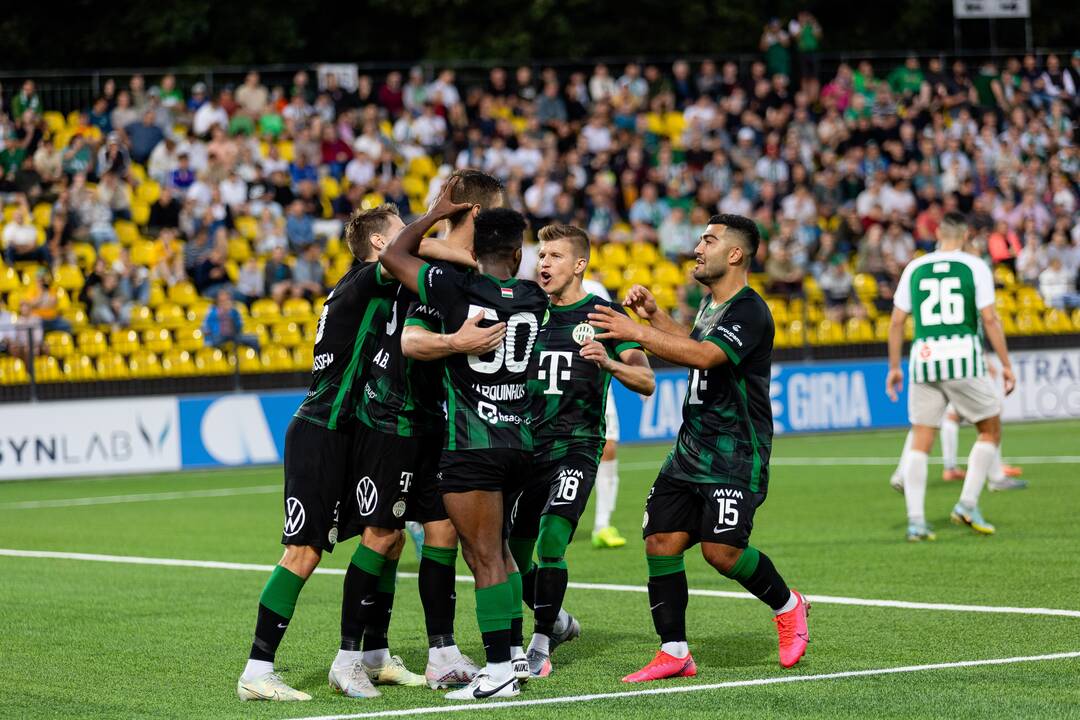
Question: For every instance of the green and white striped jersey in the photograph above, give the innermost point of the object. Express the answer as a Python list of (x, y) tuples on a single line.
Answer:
[(944, 292)]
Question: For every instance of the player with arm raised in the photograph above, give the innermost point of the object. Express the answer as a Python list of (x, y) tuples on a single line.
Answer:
[(488, 442), (570, 391), (397, 453), (717, 474), (949, 293)]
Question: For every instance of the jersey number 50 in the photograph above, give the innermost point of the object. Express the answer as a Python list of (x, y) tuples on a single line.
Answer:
[(506, 354), (944, 303)]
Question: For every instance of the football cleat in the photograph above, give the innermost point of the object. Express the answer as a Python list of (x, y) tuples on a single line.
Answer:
[(539, 664), (917, 532), (962, 515), (1006, 483), (953, 474), (268, 686), (394, 672), (1012, 470), (483, 687), (521, 668), (352, 681), (455, 674), (896, 482), (664, 666), (607, 537), (794, 635), (571, 632)]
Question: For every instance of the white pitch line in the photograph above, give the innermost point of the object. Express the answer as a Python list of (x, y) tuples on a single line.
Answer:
[(757, 682), (140, 497), (823, 599), (870, 461)]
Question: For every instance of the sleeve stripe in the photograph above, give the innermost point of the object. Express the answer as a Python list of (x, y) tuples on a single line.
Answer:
[(728, 350), (420, 289), (420, 322), (381, 277), (624, 346)]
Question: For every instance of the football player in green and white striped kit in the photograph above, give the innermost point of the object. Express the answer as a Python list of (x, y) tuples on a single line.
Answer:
[(950, 294)]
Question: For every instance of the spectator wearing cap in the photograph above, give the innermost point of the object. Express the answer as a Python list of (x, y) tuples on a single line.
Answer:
[(198, 97)]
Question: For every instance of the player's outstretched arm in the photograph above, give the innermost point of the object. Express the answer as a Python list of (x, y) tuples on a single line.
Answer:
[(400, 256), (631, 369), (996, 335), (644, 305), (420, 343), (894, 382), (675, 348)]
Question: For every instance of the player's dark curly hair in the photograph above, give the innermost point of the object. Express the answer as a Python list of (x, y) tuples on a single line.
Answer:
[(498, 233), (746, 228)]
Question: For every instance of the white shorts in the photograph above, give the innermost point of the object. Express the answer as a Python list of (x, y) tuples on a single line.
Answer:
[(611, 418), (973, 399)]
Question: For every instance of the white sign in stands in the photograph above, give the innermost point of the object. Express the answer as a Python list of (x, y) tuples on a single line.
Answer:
[(971, 9), (1047, 385), (92, 437)]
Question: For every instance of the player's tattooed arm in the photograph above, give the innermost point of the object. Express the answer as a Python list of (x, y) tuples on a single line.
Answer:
[(642, 302), (676, 348), (400, 256), (420, 343), (631, 369)]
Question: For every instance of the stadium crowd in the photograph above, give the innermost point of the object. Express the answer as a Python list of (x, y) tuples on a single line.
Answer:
[(158, 195)]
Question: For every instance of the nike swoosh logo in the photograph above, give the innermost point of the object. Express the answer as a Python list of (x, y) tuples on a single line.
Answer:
[(556, 504), (804, 636), (538, 606), (259, 695), (367, 603), (481, 694), (282, 626), (656, 606), (717, 530)]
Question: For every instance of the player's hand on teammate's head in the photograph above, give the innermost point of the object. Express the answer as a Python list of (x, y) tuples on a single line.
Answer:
[(1009, 378), (894, 383), (471, 339), (444, 207), (615, 325), (641, 301), (595, 352)]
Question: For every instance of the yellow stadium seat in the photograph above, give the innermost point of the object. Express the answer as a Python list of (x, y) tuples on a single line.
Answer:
[(330, 187), (286, 334), (665, 296), (781, 339), (127, 232), (858, 330), (145, 365), (177, 363), (1076, 318), (1029, 322), (1057, 321), (1008, 324), (157, 295), (778, 308), (12, 371), (85, 255), (277, 359), (189, 339), (334, 248), (212, 361), (830, 333), (170, 315), (80, 368), (92, 342), (69, 277), (422, 166), (144, 252), (247, 226), (9, 279), (239, 249), (109, 252), (59, 344), (644, 253), (286, 150), (1005, 277), (183, 293), (668, 273), (265, 309), (1030, 299), (796, 333), (303, 357), (138, 172), (42, 214), (77, 317), (198, 310), (140, 212), (124, 342), (53, 120), (157, 341), (1005, 302), (637, 275), (414, 186), (249, 360), (149, 192), (813, 291), (296, 308), (142, 317), (866, 287), (47, 369), (112, 366)]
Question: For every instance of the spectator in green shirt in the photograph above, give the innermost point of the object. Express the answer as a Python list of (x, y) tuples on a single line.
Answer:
[(27, 99), (776, 43), (907, 79), (807, 33)]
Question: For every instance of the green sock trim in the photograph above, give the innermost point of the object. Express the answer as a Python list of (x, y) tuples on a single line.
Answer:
[(665, 564), (493, 607), (388, 577), (522, 550), (745, 566), (368, 560), (441, 555), (517, 594), (554, 538), (281, 590)]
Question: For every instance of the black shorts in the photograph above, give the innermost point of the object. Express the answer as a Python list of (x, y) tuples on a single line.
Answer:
[(495, 470), (316, 477), (392, 480), (722, 514), (555, 487)]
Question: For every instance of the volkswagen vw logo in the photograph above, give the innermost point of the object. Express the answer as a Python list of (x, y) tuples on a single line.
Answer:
[(367, 496), (294, 517)]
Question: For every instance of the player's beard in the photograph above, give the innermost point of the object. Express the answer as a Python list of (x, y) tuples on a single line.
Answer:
[(707, 274)]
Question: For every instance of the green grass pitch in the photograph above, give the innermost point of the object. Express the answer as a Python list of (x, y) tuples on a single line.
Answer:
[(104, 640)]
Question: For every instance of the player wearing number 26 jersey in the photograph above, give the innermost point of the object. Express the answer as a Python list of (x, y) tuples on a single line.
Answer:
[(950, 295)]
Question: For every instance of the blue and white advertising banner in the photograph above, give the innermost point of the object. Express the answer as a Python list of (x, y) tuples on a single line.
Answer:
[(235, 429)]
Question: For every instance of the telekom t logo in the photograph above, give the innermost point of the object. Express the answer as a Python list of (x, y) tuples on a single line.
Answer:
[(550, 361)]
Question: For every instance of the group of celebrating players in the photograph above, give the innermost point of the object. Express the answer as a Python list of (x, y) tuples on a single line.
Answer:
[(448, 393)]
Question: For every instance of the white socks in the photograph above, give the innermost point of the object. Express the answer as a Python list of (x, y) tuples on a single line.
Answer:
[(950, 440), (540, 642), (904, 454), (516, 651), (257, 668), (996, 472), (347, 657), (561, 622), (979, 461), (443, 655), (376, 658), (792, 601), (499, 671), (676, 649), (607, 489), (915, 485)]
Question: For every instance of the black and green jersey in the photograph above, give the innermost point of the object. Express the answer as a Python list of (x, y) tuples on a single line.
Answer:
[(487, 403), (344, 341), (726, 434), (569, 392), (403, 396)]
